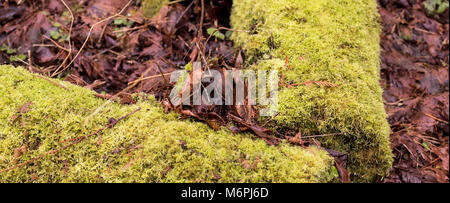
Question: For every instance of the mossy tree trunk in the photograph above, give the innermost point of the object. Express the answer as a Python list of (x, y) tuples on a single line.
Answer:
[(329, 41), (37, 116)]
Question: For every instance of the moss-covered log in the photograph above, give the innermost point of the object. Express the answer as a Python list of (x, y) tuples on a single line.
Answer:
[(333, 41), (37, 116)]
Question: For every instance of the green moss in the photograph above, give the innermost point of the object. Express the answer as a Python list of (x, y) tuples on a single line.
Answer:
[(151, 7), (334, 41), (139, 148)]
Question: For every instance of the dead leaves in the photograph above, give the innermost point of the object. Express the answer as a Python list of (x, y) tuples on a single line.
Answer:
[(20, 111), (297, 139), (415, 74), (19, 152), (247, 163)]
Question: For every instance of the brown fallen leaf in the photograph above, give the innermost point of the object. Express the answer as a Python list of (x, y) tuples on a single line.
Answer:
[(19, 152), (343, 173), (25, 108), (256, 162)]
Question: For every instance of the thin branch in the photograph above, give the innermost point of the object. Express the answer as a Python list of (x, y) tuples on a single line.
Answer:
[(70, 42), (53, 82), (148, 78), (324, 135)]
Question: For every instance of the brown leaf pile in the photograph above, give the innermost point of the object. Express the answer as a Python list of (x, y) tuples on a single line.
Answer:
[(415, 58)]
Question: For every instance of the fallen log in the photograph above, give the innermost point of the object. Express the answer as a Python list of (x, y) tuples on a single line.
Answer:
[(335, 42), (56, 128)]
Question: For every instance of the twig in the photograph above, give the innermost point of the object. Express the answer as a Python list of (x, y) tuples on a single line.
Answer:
[(71, 144), (70, 42), (166, 170), (223, 28), (43, 45), (148, 78), (435, 118), (53, 82), (319, 83), (56, 43), (184, 12), (102, 34), (397, 102), (42, 77), (162, 75), (324, 135), (200, 30), (30, 66), (174, 2)]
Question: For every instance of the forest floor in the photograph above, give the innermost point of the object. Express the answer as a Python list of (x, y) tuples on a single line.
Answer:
[(415, 58), (135, 54)]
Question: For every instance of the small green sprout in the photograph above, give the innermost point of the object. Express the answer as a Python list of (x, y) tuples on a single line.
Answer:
[(55, 34), (56, 24), (7, 49), (120, 21), (20, 57), (216, 33), (436, 6)]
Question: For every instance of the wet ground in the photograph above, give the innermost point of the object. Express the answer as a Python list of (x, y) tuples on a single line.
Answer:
[(415, 58)]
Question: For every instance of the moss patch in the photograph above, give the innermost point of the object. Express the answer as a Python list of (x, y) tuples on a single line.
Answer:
[(334, 41), (37, 116), (151, 7)]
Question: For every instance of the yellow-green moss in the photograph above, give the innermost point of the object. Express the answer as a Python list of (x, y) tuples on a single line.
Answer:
[(335, 41), (151, 7), (138, 149)]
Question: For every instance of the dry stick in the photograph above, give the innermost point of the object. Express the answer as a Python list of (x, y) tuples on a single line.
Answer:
[(71, 144), (324, 135), (30, 66), (55, 83), (319, 83), (102, 34), (56, 43), (148, 78), (89, 35), (40, 76), (223, 28), (184, 12), (162, 75), (200, 31), (43, 45), (174, 2), (165, 80), (70, 42), (435, 118)]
